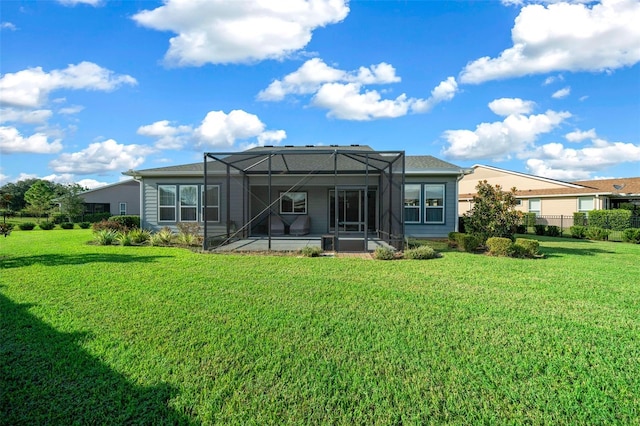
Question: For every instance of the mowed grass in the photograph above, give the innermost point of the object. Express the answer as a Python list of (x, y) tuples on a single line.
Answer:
[(147, 335)]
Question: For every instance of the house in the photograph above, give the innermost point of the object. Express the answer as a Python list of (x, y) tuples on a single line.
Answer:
[(550, 197), (351, 194), (121, 198)]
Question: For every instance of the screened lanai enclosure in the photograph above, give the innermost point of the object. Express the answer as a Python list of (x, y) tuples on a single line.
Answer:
[(342, 198)]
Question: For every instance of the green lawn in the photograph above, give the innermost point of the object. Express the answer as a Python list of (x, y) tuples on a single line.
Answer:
[(149, 335)]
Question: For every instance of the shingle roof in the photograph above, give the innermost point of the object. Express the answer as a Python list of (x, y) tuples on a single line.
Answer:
[(621, 185)]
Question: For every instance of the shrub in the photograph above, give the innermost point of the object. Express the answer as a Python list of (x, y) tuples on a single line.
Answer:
[(27, 226), (524, 247), (529, 220), (139, 235), (579, 219), (493, 213), (468, 243), (66, 225), (596, 233), (128, 222), (453, 238), (96, 217), (521, 229), (421, 253), (105, 237), (309, 251), (617, 220), (108, 224), (47, 226), (552, 231), (162, 237), (499, 246), (578, 231), (124, 239), (84, 225), (6, 228), (539, 229), (384, 253), (189, 239), (631, 235), (58, 218)]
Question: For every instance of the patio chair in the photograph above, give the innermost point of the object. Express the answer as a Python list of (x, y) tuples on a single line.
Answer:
[(277, 225), (300, 226)]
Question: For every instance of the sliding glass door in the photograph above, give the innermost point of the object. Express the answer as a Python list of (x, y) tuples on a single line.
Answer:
[(352, 211)]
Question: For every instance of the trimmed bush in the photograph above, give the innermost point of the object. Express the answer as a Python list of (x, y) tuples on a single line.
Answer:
[(27, 226), (617, 220), (631, 235), (96, 217), (552, 231), (105, 237), (453, 238), (47, 226), (529, 220), (579, 219), (521, 229), (596, 233), (384, 253), (84, 225), (66, 225), (526, 247), (108, 224), (128, 222), (421, 253), (309, 251), (539, 229), (499, 246), (468, 243), (578, 231)]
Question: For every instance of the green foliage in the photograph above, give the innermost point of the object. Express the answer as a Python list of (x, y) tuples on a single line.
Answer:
[(529, 219), (139, 235), (5, 229), (66, 225), (452, 238), (631, 235), (27, 226), (47, 226), (499, 246), (421, 253), (84, 225), (127, 221), (596, 233), (617, 220), (525, 247), (579, 219), (108, 224), (188, 239), (552, 231), (163, 237), (384, 253), (521, 229), (124, 239), (493, 213), (468, 243), (39, 198), (539, 229), (578, 231), (189, 233), (71, 203), (96, 217), (310, 251), (105, 237)]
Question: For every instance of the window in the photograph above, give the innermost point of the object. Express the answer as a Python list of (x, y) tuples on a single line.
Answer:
[(188, 203), (123, 209), (585, 204), (212, 203), (534, 205), (412, 203), (167, 203), (293, 203), (434, 203)]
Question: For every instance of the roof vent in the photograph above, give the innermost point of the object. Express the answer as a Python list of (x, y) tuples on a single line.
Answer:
[(354, 144), (309, 146), (333, 145), (619, 187), (268, 146), (288, 146)]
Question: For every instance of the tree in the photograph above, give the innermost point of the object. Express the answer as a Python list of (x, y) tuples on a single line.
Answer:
[(39, 198), (493, 213), (71, 204)]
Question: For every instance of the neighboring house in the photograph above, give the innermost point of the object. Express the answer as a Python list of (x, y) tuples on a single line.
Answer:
[(549, 197), (121, 198), (350, 192)]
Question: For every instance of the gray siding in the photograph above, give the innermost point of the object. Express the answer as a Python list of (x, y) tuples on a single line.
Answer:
[(450, 208), (124, 192)]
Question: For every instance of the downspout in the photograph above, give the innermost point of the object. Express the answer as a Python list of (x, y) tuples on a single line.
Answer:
[(139, 180)]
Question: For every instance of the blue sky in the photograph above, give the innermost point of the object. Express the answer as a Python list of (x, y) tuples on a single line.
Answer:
[(89, 89)]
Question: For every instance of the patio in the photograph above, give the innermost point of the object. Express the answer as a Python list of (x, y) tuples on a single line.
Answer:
[(290, 244)]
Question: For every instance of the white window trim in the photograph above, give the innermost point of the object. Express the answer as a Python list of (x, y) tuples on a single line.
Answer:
[(419, 206), (539, 204), (166, 206), (593, 204), (306, 201), (188, 206), (425, 207), (203, 207), (121, 210)]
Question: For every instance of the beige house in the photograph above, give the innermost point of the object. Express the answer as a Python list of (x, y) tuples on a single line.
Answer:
[(549, 197)]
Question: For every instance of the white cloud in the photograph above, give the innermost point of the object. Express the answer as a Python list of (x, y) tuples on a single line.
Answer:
[(271, 137), (91, 183), (11, 141), (565, 37), (101, 157), (31, 87), (76, 2), (562, 93), (70, 110), (579, 136), (166, 135), (8, 26), (219, 129), (38, 116), (555, 161), (445, 91), (219, 31), (509, 106), (552, 79), (499, 139)]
